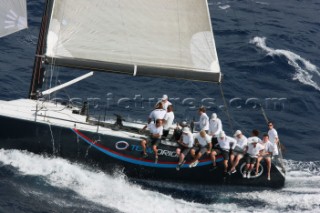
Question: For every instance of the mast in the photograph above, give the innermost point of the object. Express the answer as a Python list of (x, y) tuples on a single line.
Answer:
[(38, 70)]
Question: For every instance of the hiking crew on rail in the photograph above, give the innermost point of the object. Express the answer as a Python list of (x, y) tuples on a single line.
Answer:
[(210, 141)]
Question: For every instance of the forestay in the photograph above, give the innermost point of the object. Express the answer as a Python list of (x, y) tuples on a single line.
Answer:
[(13, 16), (139, 37)]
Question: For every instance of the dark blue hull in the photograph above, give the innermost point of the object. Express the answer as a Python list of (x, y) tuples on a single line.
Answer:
[(111, 153)]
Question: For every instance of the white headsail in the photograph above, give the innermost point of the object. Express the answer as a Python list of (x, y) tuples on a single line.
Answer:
[(143, 37), (13, 16)]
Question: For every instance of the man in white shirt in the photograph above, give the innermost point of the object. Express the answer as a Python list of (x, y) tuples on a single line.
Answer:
[(223, 149), (156, 114), (204, 119), (165, 102), (238, 150), (154, 138), (168, 120), (254, 136), (202, 145), (266, 154), (185, 144), (273, 137), (254, 150), (215, 127)]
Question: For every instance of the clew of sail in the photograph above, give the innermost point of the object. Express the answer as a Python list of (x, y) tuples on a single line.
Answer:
[(162, 38), (13, 16)]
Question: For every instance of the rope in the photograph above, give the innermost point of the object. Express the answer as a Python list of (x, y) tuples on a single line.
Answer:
[(226, 107), (264, 114)]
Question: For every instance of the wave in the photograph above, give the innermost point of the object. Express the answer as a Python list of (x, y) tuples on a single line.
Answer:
[(306, 72), (301, 192)]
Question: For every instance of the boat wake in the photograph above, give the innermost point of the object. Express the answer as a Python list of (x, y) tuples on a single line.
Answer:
[(301, 192), (306, 72)]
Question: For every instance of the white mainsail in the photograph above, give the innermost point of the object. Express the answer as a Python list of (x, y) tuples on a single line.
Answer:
[(140, 37), (13, 16)]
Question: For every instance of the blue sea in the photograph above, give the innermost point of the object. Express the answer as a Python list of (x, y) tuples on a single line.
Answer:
[(269, 55)]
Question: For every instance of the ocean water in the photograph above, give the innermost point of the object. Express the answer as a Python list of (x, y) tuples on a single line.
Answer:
[(269, 55)]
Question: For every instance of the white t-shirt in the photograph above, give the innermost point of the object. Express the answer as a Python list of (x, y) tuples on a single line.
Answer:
[(188, 139), (268, 146), (273, 134), (241, 142), (166, 104), (254, 151), (250, 139), (168, 117), (202, 141), (154, 129), (215, 127), (203, 122), (157, 114), (225, 142)]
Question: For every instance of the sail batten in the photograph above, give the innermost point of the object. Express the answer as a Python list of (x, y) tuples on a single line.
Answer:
[(155, 35), (13, 16)]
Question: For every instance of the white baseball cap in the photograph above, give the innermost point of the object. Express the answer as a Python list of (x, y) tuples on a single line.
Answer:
[(222, 134), (164, 97), (254, 140), (214, 116), (185, 130), (238, 132)]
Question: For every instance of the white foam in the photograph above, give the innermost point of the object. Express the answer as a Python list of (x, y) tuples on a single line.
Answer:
[(110, 191), (305, 70), (262, 2), (301, 192), (224, 7)]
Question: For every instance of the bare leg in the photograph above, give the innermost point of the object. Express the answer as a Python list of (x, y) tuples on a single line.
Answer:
[(247, 167), (268, 161), (225, 164), (155, 150), (213, 158), (232, 158), (235, 162), (258, 164), (196, 157), (144, 147), (193, 153), (181, 158)]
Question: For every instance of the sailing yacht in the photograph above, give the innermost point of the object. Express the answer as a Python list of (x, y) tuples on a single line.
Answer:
[(157, 38)]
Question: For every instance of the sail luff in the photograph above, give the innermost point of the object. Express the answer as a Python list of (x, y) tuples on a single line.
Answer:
[(152, 35)]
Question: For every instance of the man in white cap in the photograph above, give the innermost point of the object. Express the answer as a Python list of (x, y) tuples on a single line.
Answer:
[(254, 150), (204, 119), (185, 144), (215, 127), (238, 150), (165, 102), (223, 149)]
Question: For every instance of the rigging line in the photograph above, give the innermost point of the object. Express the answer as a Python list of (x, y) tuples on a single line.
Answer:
[(226, 107), (264, 114), (230, 119)]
